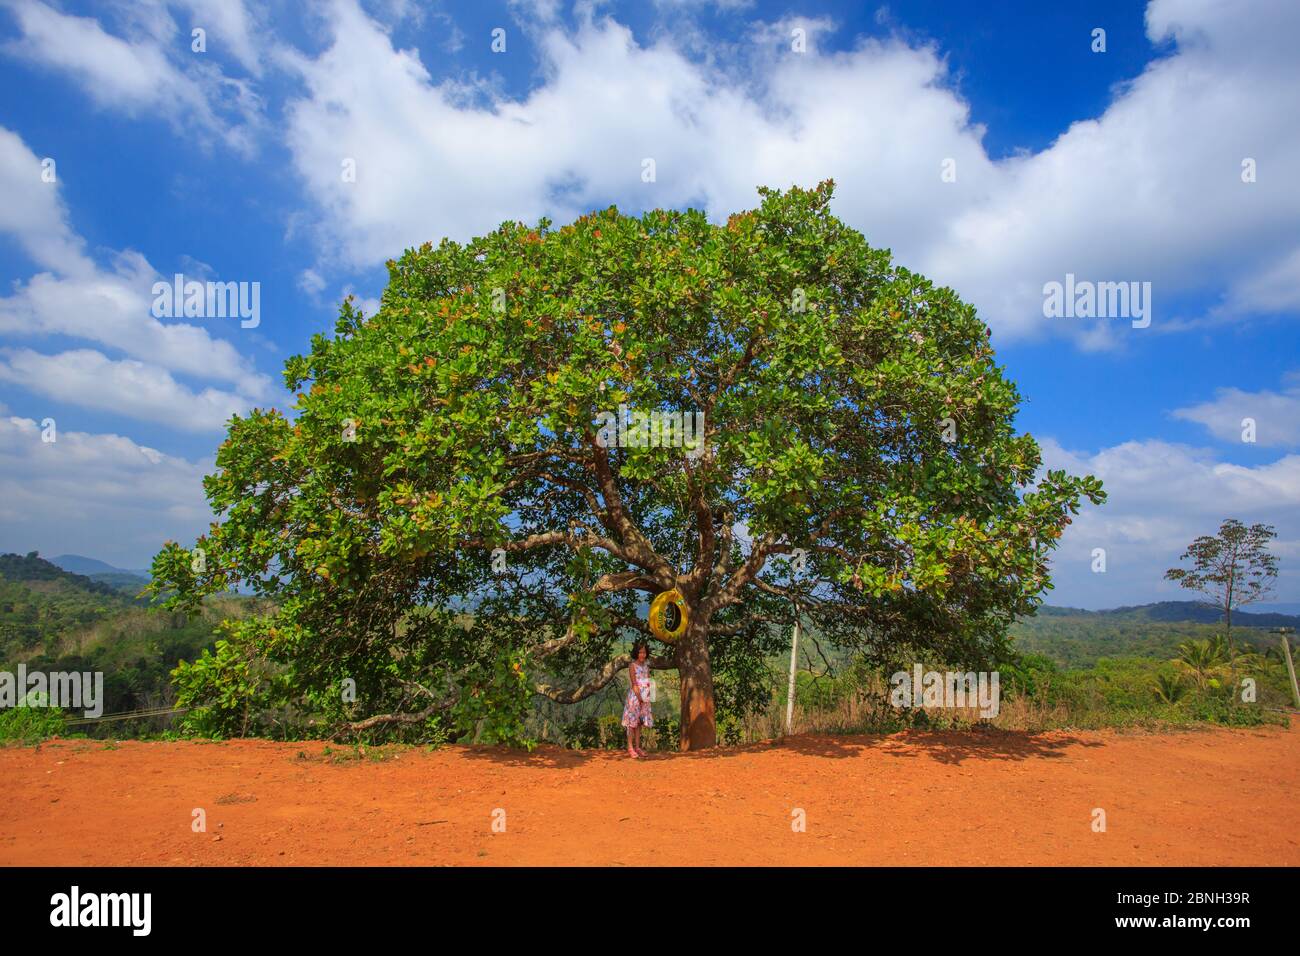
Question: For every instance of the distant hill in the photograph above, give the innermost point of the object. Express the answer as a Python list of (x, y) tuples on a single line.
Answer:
[(120, 578), (33, 568), (79, 564), (1190, 611), (41, 605), (57, 620), (1077, 638)]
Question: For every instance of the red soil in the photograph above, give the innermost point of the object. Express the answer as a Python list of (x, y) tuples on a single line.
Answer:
[(1198, 797)]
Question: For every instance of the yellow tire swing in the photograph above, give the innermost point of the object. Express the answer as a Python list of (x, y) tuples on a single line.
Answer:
[(668, 615)]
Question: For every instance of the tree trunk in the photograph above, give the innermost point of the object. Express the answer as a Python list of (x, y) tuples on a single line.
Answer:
[(1227, 612), (699, 731)]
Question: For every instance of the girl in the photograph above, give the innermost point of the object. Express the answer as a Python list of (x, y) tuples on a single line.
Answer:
[(636, 710)]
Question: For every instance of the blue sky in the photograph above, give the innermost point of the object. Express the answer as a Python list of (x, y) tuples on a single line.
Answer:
[(1122, 165)]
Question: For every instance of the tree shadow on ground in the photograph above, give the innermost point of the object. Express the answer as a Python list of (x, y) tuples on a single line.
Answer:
[(943, 746), (557, 757), (551, 756)]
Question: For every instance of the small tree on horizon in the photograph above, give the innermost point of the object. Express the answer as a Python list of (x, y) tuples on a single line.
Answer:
[(1231, 569), (858, 455)]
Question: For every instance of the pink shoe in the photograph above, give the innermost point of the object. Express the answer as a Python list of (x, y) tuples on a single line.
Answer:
[(633, 754)]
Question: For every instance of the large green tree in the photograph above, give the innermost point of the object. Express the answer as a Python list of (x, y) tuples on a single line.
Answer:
[(451, 455)]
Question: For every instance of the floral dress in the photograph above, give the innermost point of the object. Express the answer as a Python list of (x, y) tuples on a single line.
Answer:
[(636, 709)]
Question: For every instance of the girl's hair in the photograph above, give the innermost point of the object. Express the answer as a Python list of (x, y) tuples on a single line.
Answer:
[(636, 650)]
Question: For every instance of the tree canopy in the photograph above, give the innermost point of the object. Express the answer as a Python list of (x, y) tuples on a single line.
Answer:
[(1230, 569), (447, 519)]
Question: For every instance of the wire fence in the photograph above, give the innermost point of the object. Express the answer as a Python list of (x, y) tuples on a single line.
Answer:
[(127, 715)]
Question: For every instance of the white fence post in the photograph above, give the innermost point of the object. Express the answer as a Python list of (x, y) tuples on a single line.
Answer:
[(794, 650)]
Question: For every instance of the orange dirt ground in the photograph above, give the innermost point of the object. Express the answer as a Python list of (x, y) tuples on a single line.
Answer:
[(1190, 798)]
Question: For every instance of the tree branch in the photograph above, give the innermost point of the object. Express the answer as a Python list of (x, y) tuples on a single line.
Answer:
[(598, 683), (730, 591), (644, 554), (397, 718)]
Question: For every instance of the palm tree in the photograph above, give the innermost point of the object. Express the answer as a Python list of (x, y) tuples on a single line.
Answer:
[(1169, 688), (1203, 659)]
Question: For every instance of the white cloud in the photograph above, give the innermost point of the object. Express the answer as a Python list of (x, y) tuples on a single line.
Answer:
[(110, 307), (1150, 191), (311, 282), (1160, 497), (445, 158), (1276, 415), (92, 380), (143, 76), (102, 495), (230, 28), (1275, 288), (113, 309), (32, 211)]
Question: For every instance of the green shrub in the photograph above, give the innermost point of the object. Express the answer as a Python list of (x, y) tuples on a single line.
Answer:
[(1169, 689), (33, 722), (1032, 675)]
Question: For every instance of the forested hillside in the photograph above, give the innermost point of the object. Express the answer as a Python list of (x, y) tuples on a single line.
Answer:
[(54, 620), (1077, 638)]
